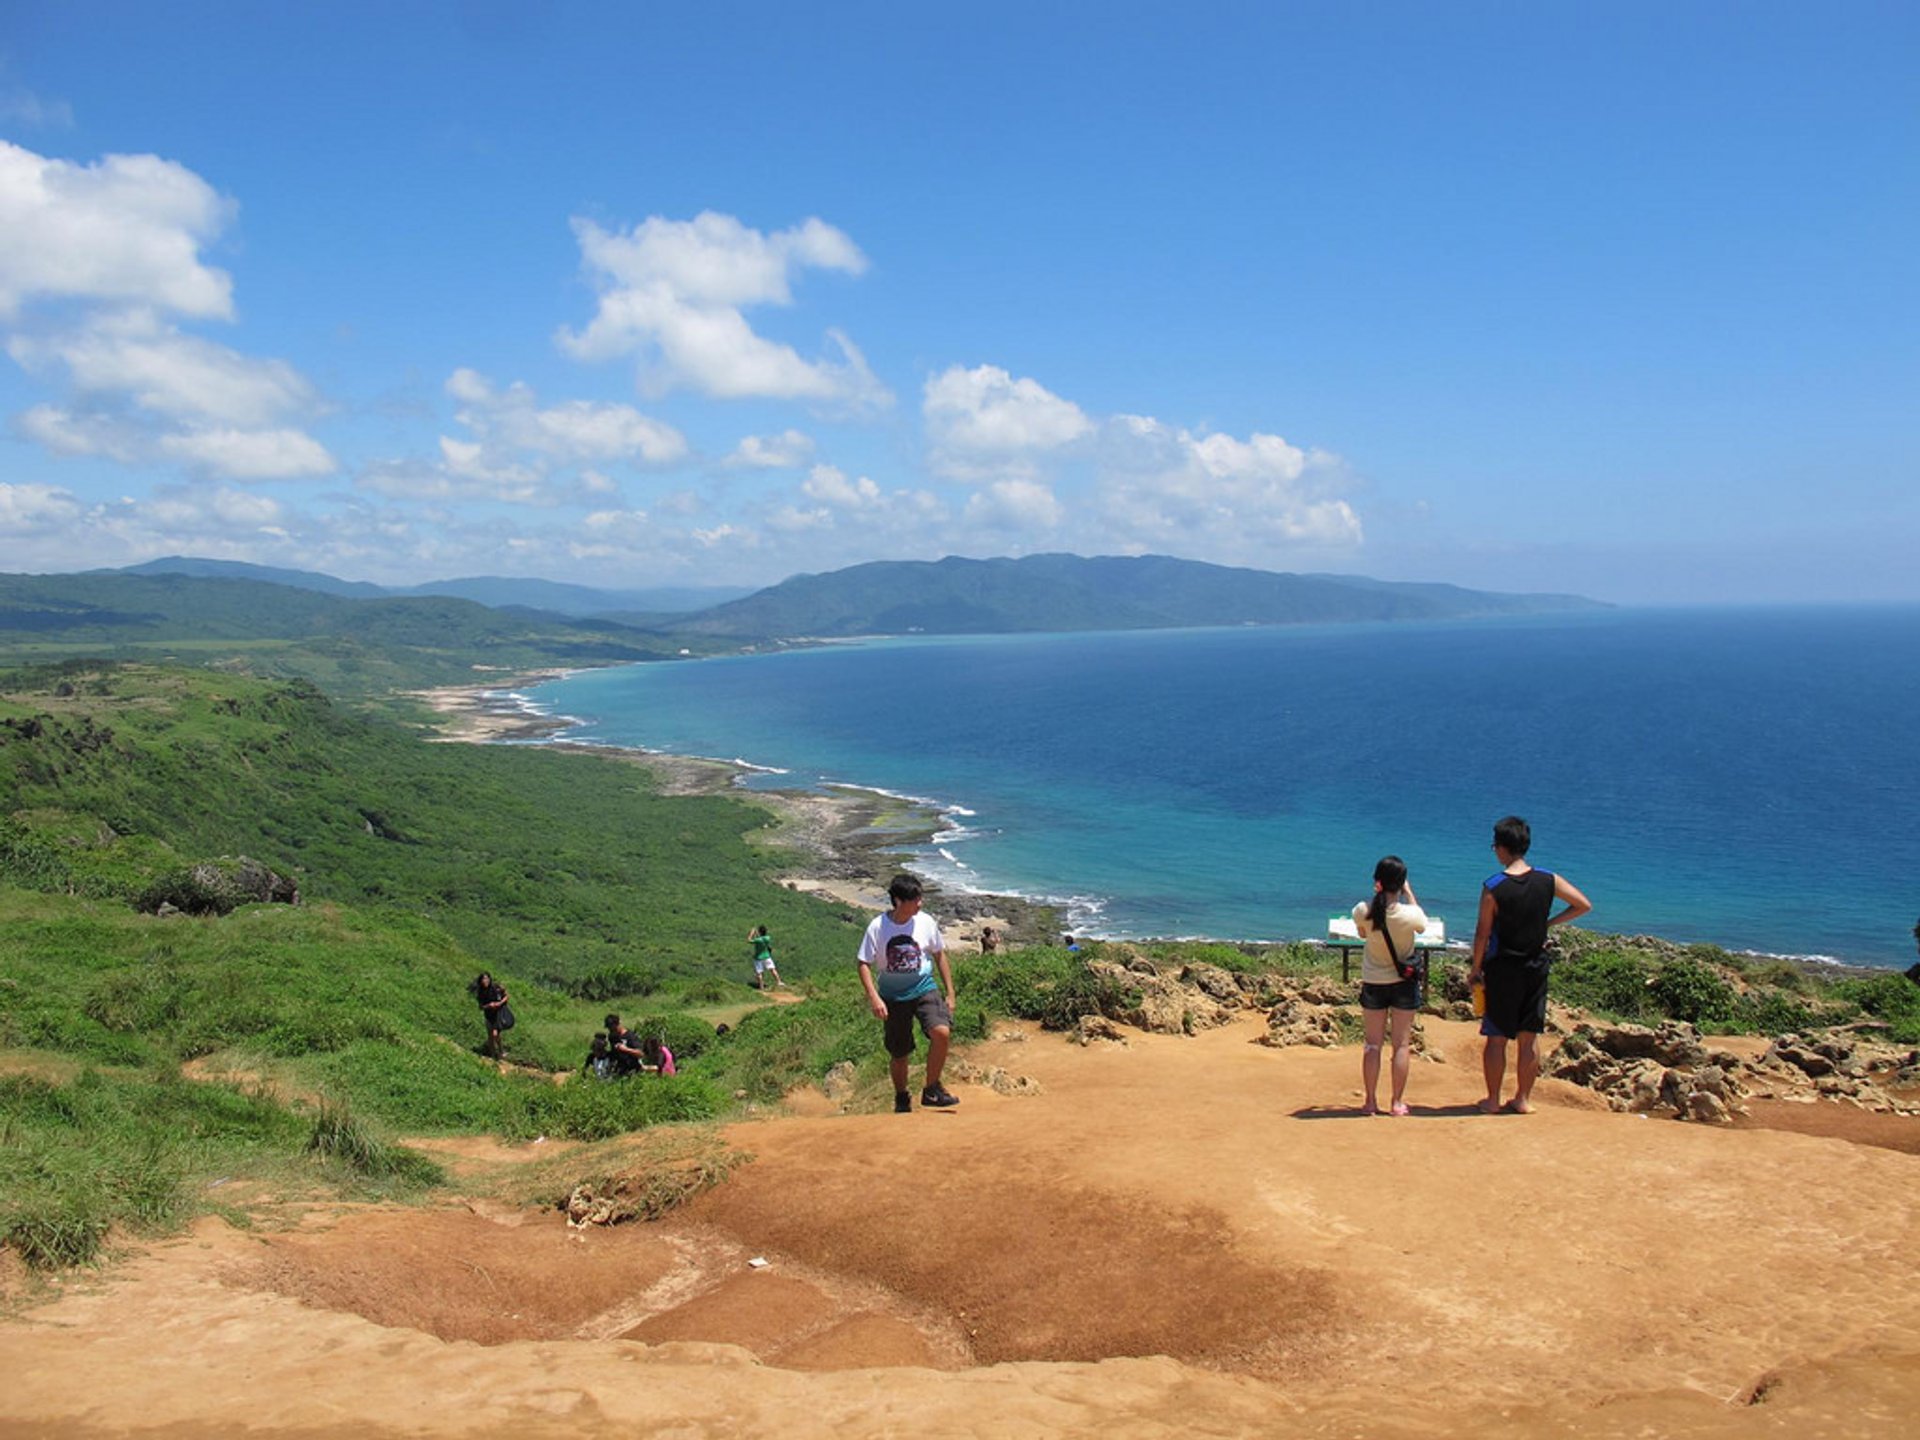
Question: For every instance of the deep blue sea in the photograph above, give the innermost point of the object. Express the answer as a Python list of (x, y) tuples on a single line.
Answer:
[(1748, 777)]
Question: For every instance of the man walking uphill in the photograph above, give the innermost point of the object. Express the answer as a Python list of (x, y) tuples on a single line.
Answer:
[(1509, 953), (904, 947)]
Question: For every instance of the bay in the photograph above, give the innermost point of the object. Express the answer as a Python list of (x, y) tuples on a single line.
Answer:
[(1744, 777)]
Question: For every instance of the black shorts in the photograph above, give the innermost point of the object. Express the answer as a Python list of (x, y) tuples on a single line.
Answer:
[(931, 1011), (1516, 999), (1401, 995)]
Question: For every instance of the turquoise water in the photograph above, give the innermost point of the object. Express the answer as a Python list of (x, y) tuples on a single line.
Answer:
[(1746, 777)]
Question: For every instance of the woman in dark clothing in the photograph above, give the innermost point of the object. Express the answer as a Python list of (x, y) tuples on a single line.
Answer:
[(493, 1002)]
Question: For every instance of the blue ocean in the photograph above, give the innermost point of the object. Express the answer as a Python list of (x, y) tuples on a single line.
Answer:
[(1746, 777)]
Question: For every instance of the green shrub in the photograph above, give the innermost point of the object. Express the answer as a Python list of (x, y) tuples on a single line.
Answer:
[(337, 1134), (1082, 992), (1689, 989), (586, 1109), (1777, 1012), (1613, 982), (54, 1238), (608, 982), (1890, 997)]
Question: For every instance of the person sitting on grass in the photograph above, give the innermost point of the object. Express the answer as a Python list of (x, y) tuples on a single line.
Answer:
[(655, 1057), (1509, 955), (904, 945), (624, 1048), (599, 1062)]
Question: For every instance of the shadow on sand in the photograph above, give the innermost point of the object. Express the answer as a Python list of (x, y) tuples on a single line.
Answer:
[(1415, 1112)]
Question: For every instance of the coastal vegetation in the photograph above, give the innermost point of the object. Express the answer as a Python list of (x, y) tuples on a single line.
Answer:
[(171, 1042)]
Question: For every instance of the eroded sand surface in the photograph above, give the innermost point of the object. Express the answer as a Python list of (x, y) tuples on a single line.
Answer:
[(1181, 1237)]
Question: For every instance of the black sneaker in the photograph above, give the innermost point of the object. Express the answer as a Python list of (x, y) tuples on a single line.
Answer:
[(902, 1103), (938, 1097)]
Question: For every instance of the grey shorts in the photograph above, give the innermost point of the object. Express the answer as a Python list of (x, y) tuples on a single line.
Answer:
[(931, 1011)]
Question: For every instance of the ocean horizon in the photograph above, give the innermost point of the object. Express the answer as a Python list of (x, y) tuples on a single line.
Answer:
[(1741, 777)]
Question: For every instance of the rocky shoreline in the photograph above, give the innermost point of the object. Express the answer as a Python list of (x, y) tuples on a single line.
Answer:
[(850, 840)]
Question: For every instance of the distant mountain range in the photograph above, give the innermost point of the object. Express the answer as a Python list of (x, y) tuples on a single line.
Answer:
[(494, 591), (1069, 592), (184, 599)]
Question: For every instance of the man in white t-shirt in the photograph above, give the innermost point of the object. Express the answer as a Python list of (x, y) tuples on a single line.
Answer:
[(898, 958)]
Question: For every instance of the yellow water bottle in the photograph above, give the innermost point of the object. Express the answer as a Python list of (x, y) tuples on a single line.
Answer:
[(1479, 997)]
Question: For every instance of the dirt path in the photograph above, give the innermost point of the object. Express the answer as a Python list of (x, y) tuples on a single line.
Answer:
[(1185, 1236)]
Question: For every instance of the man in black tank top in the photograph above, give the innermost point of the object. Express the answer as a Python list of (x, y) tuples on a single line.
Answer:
[(1509, 945)]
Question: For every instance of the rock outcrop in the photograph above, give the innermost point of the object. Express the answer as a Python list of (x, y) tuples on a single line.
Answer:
[(1670, 1068), (217, 887)]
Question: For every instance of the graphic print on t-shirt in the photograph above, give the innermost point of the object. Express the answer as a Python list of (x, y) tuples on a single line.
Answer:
[(903, 956)]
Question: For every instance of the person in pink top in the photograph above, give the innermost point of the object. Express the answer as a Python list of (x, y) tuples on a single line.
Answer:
[(655, 1057)]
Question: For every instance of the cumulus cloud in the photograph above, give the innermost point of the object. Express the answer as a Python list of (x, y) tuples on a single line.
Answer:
[(673, 293), (161, 370), (34, 510), (126, 230), (788, 450), (66, 433), (1023, 507), (250, 454), (232, 454), (986, 411), (119, 240), (575, 432), (523, 453), (830, 485), (1169, 488)]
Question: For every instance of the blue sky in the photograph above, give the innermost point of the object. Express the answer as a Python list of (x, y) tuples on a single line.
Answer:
[(1611, 298)]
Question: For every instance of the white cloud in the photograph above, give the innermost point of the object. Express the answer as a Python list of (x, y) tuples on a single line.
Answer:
[(985, 411), (169, 374), (1020, 506), (30, 510), (233, 454), (578, 431), (251, 454), (126, 230), (524, 454), (830, 485), (1166, 488), (67, 433), (197, 512), (788, 450), (672, 293), (121, 238)]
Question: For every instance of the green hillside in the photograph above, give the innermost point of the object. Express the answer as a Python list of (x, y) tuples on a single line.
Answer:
[(351, 646), (1068, 592), (567, 875)]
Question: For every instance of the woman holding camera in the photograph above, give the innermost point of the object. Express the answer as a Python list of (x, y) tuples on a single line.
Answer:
[(1389, 978)]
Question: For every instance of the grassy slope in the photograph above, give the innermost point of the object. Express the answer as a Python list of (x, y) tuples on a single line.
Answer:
[(565, 874)]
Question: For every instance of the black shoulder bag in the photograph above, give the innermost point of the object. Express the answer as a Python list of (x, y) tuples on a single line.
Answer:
[(1414, 966)]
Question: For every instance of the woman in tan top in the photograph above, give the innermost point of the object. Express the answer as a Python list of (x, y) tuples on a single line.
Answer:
[(1394, 912)]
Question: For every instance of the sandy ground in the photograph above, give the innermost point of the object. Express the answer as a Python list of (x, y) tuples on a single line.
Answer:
[(1192, 1236)]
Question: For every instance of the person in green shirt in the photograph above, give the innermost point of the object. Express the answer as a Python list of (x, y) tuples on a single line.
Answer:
[(764, 973)]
